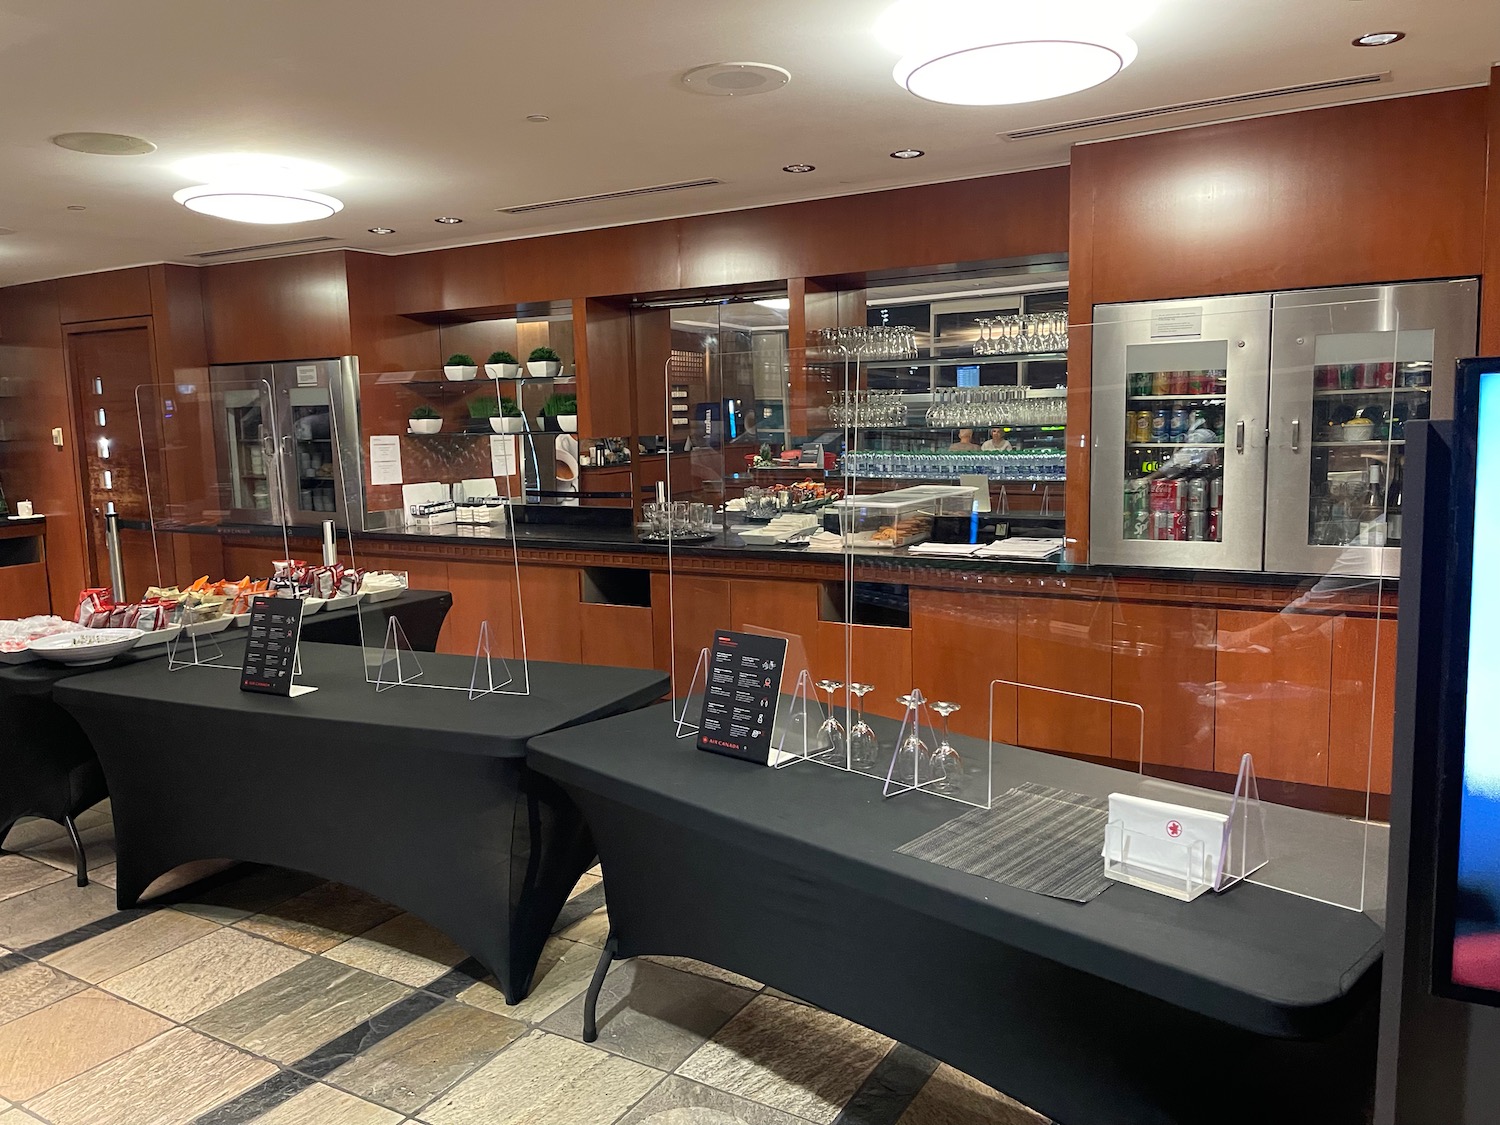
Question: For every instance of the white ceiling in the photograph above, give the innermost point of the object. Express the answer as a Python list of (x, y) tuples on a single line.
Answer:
[(423, 106)]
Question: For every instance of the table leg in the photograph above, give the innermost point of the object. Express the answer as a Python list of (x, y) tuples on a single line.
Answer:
[(591, 1001), (78, 856)]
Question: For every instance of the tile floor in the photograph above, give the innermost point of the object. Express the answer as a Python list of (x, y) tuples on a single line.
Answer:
[(266, 996)]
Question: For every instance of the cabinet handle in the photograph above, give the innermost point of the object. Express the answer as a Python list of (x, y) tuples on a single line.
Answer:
[(1239, 436), (1296, 434)]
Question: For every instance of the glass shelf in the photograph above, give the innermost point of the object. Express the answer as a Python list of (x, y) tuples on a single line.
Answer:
[(1373, 442), (1339, 392), (1177, 398), (1181, 445), (954, 361)]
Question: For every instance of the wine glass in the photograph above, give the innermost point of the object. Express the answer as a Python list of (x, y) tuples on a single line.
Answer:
[(945, 768), (864, 747), (832, 729), (912, 752)]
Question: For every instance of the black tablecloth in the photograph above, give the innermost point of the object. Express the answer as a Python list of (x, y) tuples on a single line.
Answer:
[(1125, 1009), (47, 767), (420, 796)]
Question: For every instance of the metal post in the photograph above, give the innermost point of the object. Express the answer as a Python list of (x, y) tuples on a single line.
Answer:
[(330, 544), (116, 560)]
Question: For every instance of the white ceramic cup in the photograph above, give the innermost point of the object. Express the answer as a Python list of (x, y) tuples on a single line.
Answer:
[(23, 509)]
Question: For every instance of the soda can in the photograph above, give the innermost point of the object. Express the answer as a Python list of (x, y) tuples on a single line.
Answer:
[(1216, 493), (1351, 375), (1166, 495), (1179, 424), (1143, 426), (1197, 494), (1161, 382), (1217, 382), (1215, 518), (1369, 376), (1179, 527), (1197, 525), (1161, 426), (1385, 374)]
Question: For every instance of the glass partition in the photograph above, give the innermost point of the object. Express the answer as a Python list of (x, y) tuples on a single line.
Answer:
[(964, 645)]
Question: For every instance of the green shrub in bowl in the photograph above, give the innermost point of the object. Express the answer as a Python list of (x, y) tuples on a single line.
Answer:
[(460, 368), (543, 363), (502, 365)]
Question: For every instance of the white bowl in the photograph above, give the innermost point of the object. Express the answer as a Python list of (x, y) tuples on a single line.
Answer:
[(425, 425), (312, 605), (91, 646), (341, 601), (503, 425), (544, 369), (158, 636), (503, 370), (1360, 429), (373, 596), (460, 374), (212, 625)]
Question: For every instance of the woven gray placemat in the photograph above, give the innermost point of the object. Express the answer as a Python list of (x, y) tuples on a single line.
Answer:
[(1034, 837)]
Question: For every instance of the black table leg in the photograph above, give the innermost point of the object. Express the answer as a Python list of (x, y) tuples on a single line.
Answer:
[(79, 858), (591, 1001)]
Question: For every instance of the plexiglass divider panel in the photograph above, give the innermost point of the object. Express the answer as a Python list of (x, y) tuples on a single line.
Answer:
[(209, 451)]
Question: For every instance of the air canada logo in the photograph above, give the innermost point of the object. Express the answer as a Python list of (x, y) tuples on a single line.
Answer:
[(1174, 828)]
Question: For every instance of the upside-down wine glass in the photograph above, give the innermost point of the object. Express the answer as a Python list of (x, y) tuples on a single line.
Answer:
[(832, 729), (945, 766), (864, 747), (907, 768)]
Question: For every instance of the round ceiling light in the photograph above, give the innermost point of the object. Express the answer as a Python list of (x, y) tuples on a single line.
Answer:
[(447, 220), (907, 154), (736, 79), (247, 204), (382, 230), (1380, 39), (1010, 73), (257, 168), (104, 144), (798, 169)]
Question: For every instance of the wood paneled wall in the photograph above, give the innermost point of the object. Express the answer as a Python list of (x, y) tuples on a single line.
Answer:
[(105, 296), (278, 308), (1489, 321)]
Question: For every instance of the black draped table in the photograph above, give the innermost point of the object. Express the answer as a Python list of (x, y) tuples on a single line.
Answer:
[(47, 767), (1134, 1009), (420, 796)]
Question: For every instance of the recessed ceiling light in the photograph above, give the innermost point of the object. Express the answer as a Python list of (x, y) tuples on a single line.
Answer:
[(382, 230), (907, 154), (800, 168), (104, 144), (1380, 39), (736, 79), (257, 168), (447, 220), (77, 207), (246, 204), (538, 118)]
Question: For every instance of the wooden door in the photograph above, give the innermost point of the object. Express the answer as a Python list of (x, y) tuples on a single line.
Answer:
[(107, 362)]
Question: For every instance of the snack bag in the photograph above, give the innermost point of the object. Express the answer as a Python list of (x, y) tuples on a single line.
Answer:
[(93, 607)]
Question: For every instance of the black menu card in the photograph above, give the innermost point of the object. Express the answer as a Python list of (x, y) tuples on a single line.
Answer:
[(271, 651), (741, 695)]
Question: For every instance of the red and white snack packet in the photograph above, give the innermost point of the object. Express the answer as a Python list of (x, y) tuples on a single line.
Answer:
[(94, 607), (323, 581), (350, 580), (153, 614)]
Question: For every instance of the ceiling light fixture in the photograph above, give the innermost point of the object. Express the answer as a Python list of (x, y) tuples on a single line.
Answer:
[(447, 220), (780, 304), (1380, 39), (798, 169), (382, 230), (907, 154), (249, 204), (970, 52), (538, 118), (77, 207), (104, 144)]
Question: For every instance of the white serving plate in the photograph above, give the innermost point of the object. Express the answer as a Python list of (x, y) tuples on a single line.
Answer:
[(25, 656), (91, 646), (312, 605), (384, 595), (158, 636), (212, 625), (342, 600)]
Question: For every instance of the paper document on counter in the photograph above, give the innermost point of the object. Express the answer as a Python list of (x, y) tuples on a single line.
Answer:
[(1020, 548), (385, 459)]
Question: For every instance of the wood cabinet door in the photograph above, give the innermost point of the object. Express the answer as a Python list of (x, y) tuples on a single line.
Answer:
[(483, 593), (612, 635), (550, 598), (1163, 659), (1064, 645), (869, 654), (685, 613), (960, 644), (1362, 710), (1272, 696)]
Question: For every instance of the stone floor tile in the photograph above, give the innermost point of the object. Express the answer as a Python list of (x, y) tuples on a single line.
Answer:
[(102, 813), (409, 1068), (127, 946), (652, 1014), (52, 910), (58, 1042), (680, 1102), (19, 874), (951, 1097), (317, 920), (561, 974), (31, 986), (591, 929), (204, 973), (103, 875), (30, 831), (170, 1080), (545, 1079), (406, 949), (291, 1014), (98, 848), (792, 1057), (253, 890), (704, 969), (323, 1105)]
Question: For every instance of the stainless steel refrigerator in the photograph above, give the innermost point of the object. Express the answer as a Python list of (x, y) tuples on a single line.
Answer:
[(1265, 431), (287, 437)]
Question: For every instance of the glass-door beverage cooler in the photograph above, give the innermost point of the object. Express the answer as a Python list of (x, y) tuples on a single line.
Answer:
[(1266, 431)]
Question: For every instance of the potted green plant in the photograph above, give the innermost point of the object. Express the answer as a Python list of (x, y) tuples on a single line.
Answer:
[(502, 365), (460, 367), (543, 363), (425, 420), (562, 411), (509, 420), (481, 409)]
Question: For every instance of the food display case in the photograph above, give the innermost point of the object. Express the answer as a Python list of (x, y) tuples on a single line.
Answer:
[(900, 517)]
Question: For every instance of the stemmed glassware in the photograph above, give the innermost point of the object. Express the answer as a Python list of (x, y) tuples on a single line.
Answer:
[(1022, 333), (867, 409), (864, 747), (870, 342), (946, 766), (832, 729), (912, 753)]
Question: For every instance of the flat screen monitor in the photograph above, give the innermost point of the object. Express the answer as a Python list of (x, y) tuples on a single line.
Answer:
[(1466, 946), (968, 376)]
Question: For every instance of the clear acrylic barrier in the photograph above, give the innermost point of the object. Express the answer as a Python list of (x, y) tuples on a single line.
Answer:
[(481, 655), (1171, 665), (210, 452)]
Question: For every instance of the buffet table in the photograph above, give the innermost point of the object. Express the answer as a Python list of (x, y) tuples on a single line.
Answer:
[(47, 767), (1247, 1007), (420, 796)]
